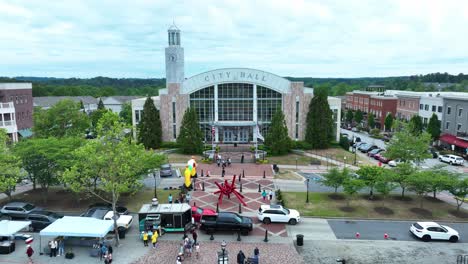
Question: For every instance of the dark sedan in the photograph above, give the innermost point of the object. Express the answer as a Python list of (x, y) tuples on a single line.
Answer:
[(367, 148), (41, 219)]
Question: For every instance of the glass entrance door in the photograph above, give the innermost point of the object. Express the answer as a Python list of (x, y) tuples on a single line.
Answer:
[(235, 134)]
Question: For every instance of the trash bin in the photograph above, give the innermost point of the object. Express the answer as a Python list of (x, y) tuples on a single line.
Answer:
[(300, 240), (121, 233)]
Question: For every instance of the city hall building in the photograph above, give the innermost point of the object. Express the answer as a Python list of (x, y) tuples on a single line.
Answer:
[(234, 105)]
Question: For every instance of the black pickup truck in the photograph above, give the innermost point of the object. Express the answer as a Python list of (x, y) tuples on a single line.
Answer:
[(226, 221)]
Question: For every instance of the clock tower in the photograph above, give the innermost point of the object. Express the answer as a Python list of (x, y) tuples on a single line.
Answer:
[(174, 57)]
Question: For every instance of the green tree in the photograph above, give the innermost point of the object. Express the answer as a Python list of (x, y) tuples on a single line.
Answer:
[(420, 183), (433, 127), (319, 130), (64, 119), (335, 178), (190, 137), (150, 128), (384, 185), (409, 147), (358, 116), (370, 175), (277, 139), (415, 125), (351, 187), (459, 190), (95, 116), (402, 173), (388, 122), (349, 116), (119, 164), (46, 158), (82, 106), (10, 165), (100, 105), (126, 113), (441, 179), (370, 120)]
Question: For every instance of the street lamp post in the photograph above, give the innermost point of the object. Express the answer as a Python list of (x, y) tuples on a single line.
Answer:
[(296, 163), (354, 148), (155, 193), (307, 199), (223, 249)]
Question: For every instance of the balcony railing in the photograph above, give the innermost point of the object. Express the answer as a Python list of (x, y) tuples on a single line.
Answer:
[(7, 123), (7, 105)]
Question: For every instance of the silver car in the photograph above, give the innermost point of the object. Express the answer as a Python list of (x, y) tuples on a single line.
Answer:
[(18, 209), (166, 170)]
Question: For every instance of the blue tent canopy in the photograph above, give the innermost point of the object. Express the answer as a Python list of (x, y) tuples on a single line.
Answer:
[(76, 226), (8, 228)]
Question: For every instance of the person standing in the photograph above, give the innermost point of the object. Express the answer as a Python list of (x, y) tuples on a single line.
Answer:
[(194, 236), (264, 194), (29, 253), (240, 257), (169, 199), (188, 198), (229, 162), (242, 158), (61, 247), (154, 238), (256, 254), (103, 251), (197, 250), (53, 248), (145, 238), (271, 194), (223, 172)]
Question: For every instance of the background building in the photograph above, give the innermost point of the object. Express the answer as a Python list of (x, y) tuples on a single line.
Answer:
[(233, 104), (16, 109)]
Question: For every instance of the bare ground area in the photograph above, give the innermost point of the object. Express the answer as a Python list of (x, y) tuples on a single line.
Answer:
[(181, 158), (339, 154), (380, 252), (288, 175)]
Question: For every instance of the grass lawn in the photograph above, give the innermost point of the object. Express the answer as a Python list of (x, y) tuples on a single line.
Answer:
[(322, 205), (339, 154), (290, 159), (182, 158), (288, 175)]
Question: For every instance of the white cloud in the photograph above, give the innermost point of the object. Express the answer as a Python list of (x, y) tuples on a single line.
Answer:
[(290, 38)]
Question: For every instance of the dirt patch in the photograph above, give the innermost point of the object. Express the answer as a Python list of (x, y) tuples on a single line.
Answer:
[(384, 210), (421, 212), (460, 214), (432, 199), (336, 196), (371, 199), (347, 209)]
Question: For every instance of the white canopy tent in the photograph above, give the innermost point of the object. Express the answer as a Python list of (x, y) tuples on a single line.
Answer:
[(9, 228), (77, 226)]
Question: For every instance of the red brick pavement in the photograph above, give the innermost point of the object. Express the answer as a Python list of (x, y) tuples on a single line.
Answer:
[(252, 198), (270, 253), (250, 169)]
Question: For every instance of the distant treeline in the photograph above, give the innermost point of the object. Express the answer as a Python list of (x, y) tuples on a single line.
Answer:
[(104, 86)]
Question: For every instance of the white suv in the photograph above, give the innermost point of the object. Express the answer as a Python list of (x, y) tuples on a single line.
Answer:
[(451, 159), (276, 213), (431, 230)]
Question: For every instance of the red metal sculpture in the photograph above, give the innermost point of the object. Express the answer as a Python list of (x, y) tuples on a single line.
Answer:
[(228, 189)]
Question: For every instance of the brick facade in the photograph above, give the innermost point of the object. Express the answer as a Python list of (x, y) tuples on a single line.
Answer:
[(22, 100), (407, 107)]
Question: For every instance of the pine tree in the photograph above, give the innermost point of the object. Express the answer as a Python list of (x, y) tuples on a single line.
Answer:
[(370, 120), (416, 125), (277, 139), (149, 129), (190, 138), (349, 116), (319, 130), (100, 105), (433, 127), (388, 121)]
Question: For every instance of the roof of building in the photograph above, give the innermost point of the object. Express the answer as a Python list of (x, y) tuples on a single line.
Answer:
[(122, 99), (15, 86), (48, 101)]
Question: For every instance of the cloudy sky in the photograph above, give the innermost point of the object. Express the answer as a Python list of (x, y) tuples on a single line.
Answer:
[(333, 38)]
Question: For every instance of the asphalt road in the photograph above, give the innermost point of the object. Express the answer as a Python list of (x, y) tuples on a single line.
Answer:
[(375, 230)]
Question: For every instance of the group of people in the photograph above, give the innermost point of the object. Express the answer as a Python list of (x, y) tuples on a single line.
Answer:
[(265, 194), (105, 253), (242, 259), (183, 198), (57, 245), (188, 246), (222, 162), (150, 235)]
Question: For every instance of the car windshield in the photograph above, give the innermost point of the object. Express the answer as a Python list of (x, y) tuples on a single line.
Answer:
[(29, 207), (418, 226), (165, 167), (199, 211), (286, 211), (238, 219)]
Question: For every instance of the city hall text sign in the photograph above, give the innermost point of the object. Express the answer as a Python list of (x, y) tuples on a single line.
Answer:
[(234, 75)]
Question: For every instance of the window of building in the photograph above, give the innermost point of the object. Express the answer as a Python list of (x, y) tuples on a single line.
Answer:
[(425, 120), (174, 131), (459, 126), (447, 125), (460, 111), (426, 107), (421, 106), (297, 131), (439, 109), (297, 111), (173, 112), (137, 116), (449, 110)]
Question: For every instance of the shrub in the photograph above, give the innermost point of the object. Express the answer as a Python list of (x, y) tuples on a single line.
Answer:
[(169, 144), (301, 145), (344, 143), (375, 133)]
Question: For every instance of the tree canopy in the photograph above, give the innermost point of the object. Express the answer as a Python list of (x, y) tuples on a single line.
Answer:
[(10, 166), (150, 128), (370, 120), (433, 127), (349, 116), (358, 116), (277, 139), (408, 147), (388, 122), (126, 113), (319, 129), (190, 139), (415, 125), (335, 177), (61, 120)]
